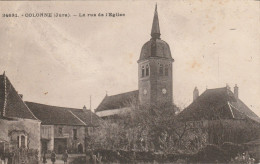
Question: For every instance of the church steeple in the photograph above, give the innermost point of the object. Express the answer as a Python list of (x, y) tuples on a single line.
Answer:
[(155, 33), (155, 70)]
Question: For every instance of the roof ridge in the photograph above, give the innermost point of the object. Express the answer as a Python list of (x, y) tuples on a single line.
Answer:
[(215, 88), (77, 118), (5, 97), (53, 105), (229, 106), (122, 93)]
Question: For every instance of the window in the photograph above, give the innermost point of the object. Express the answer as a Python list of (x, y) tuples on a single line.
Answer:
[(147, 70), (142, 71), (166, 70), (75, 137), (60, 130), (23, 141), (18, 139), (161, 69), (90, 130)]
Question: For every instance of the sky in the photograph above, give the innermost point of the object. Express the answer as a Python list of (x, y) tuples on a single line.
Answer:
[(64, 61)]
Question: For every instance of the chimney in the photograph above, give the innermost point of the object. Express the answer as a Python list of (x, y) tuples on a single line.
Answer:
[(227, 86), (84, 107), (195, 93), (21, 95), (236, 91)]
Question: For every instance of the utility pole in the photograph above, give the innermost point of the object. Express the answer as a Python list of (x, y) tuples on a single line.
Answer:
[(90, 109), (218, 70)]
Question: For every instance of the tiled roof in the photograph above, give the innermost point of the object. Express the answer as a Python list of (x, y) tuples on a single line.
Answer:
[(155, 48), (243, 108), (88, 117), (118, 101), (54, 115), (11, 104), (219, 103)]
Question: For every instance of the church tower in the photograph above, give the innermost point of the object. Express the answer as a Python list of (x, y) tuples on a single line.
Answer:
[(155, 69)]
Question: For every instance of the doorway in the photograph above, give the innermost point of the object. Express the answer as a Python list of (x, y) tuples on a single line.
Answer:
[(60, 145), (80, 148)]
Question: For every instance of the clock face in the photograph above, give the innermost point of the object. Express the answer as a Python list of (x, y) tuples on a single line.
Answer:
[(145, 91), (164, 91)]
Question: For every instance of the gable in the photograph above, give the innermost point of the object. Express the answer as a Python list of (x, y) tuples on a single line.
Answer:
[(11, 104), (118, 101)]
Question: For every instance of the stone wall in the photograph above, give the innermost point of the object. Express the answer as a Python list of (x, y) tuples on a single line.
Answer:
[(30, 127), (67, 133), (155, 82), (47, 133)]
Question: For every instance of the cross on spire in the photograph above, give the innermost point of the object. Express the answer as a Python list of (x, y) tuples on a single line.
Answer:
[(155, 33)]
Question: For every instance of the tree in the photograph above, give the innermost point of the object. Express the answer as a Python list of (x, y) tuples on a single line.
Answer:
[(153, 128)]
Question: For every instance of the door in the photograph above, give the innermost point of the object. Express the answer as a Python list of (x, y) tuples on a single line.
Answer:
[(60, 145), (44, 146)]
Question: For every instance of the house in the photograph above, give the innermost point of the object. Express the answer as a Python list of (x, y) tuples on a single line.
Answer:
[(218, 103), (154, 78), (18, 125), (64, 128), (225, 117)]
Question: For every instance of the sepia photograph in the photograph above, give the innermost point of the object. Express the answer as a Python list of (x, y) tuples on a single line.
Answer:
[(149, 82)]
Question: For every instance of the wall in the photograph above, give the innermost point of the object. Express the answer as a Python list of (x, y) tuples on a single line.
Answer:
[(154, 83), (67, 133), (31, 127), (47, 132)]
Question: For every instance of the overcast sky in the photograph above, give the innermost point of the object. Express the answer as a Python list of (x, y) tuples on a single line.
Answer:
[(62, 61)]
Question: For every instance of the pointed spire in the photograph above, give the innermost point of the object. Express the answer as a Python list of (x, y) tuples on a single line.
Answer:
[(4, 73), (155, 33)]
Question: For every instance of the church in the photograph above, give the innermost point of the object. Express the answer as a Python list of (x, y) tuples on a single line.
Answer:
[(154, 78), (155, 87)]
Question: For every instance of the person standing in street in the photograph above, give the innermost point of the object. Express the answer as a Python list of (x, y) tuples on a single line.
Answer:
[(65, 156), (53, 157), (44, 160)]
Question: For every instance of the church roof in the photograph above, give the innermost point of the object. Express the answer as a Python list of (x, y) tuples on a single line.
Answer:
[(118, 101), (11, 104), (54, 115), (219, 103), (155, 47)]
